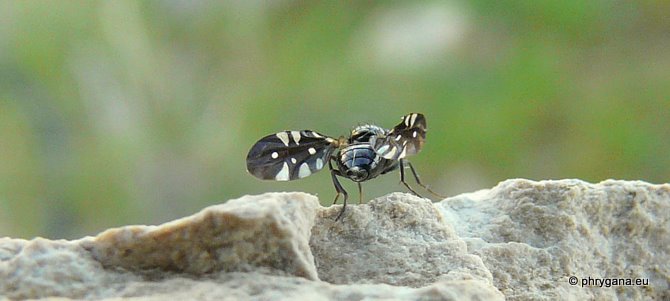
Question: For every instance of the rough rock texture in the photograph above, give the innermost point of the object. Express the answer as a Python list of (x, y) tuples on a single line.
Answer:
[(43, 268), (255, 231), (534, 235), (398, 239), (520, 240)]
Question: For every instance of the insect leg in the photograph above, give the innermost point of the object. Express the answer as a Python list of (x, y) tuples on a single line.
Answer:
[(333, 173), (339, 189), (402, 178), (418, 181)]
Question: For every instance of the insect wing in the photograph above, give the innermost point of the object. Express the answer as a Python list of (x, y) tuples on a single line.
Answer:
[(404, 139), (289, 155)]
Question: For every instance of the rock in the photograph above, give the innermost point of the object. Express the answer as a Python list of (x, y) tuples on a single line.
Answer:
[(520, 240), (258, 286), (398, 239), (270, 230), (43, 268), (534, 235)]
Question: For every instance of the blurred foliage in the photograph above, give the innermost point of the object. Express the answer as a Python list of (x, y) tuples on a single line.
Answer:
[(118, 112)]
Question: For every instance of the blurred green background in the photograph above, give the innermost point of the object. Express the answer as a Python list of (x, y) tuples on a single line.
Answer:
[(139, 112)]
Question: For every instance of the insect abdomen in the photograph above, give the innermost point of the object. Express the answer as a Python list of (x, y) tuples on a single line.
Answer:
[(358, 155), (358, 162)]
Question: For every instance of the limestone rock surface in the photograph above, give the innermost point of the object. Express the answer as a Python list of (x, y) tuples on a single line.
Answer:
[(533, 236), (269, 231), (521, 240), (398, 239)]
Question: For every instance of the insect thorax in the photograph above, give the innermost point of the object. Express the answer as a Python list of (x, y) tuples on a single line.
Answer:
[(363, 133)]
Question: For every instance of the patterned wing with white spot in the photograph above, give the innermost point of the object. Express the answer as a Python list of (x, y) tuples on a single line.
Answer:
[(404, 139), (289, 155)]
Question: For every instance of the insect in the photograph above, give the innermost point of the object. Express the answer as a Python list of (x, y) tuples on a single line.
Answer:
[(368, 152)]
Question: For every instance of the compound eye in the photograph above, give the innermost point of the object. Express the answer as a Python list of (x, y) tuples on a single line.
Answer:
[(357, 174)]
